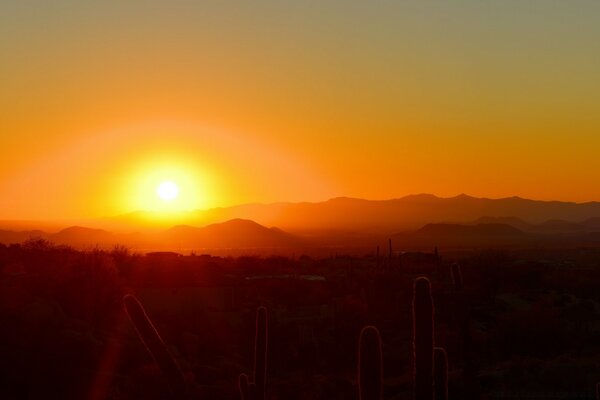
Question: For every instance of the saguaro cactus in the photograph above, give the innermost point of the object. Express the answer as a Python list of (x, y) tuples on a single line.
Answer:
[(370, 366), (155, 345), (440, 373), (456, 274), (423, 339), (255, 389)]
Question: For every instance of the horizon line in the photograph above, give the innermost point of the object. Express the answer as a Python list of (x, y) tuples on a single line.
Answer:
[(179, 212)]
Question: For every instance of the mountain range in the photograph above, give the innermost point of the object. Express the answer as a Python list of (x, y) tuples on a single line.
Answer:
[(233, 234), (415, 221), (406, 213)]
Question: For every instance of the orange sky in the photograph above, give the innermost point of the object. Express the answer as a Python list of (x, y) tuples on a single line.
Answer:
[(272, 101)]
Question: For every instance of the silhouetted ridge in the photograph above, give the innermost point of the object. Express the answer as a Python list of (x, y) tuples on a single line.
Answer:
[(236, 233), (8, 236), (455, 235), (405, 213), (81, 230), (470, 230), (463, 196), (237, 224), (78, 235), (511, 221), (557, 225)]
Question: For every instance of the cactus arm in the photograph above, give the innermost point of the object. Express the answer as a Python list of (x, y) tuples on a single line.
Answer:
[(155, 345)]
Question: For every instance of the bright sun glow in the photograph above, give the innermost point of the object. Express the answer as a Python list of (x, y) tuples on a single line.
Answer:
[(167, 190), (166, 185)]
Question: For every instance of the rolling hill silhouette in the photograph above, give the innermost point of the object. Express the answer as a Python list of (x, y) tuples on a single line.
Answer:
[(416, 219), (552, 226), (497, 230), (592, 224), (560, 226), (236, 233), (511, 221), (10, 236), (461, 236), (79, 235)]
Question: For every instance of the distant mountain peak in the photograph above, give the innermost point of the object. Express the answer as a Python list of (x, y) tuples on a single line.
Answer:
[(234, 233), (463, 196), (81, 229), (237, 223), (420, 197), (241, 221)]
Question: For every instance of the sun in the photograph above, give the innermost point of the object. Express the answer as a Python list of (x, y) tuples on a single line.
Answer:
[(166, 186), (167, 190)]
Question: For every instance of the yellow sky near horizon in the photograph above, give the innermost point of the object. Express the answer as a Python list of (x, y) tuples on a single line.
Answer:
[(279, 101)]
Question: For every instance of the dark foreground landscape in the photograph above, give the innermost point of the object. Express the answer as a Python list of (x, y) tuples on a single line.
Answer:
[(518, 324)]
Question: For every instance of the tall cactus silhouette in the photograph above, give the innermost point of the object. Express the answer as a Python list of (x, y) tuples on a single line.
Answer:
[(423, 339), (370, 366), (155, 345), (430, 363), (255, 390), (440, 373), (456, 275)]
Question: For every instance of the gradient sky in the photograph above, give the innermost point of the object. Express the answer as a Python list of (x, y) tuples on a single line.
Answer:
[(262, 101)]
